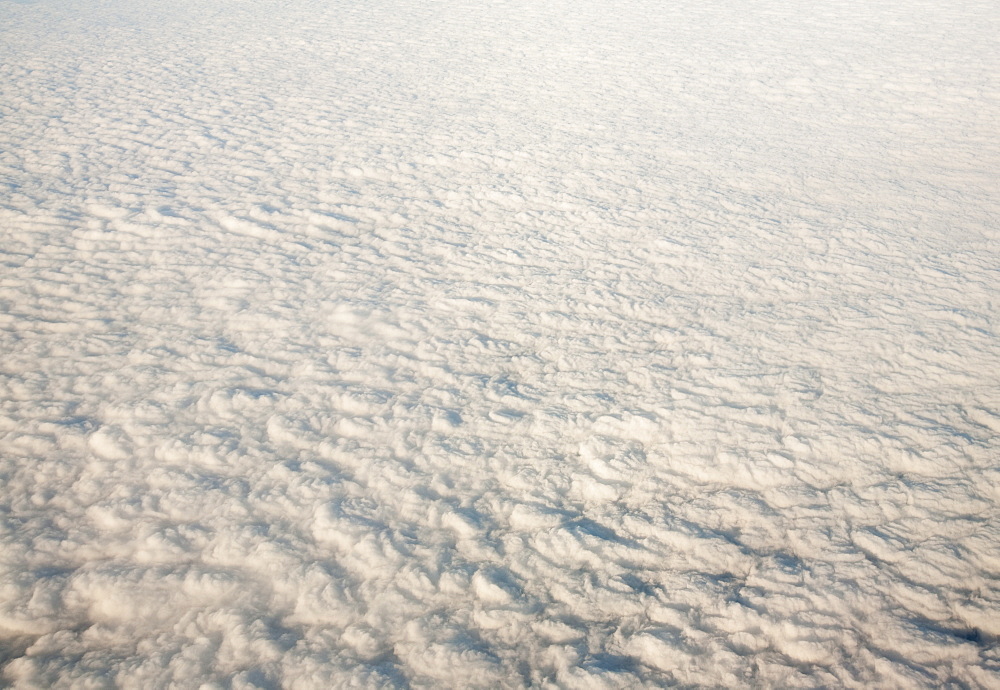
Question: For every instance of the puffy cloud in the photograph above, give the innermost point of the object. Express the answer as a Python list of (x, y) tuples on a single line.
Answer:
[(513, 344)]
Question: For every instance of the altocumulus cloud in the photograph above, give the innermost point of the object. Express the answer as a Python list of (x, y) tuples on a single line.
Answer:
[(499, 344)]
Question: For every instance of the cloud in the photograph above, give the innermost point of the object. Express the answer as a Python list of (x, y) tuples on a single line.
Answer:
[(502, 346)]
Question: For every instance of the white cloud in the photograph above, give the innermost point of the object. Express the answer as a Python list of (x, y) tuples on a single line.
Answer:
[(498, 345)]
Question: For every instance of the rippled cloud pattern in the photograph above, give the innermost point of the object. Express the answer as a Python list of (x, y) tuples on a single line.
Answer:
[(504, 343)]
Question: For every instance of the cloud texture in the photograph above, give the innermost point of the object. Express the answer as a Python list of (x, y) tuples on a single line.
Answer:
[(470, 344)]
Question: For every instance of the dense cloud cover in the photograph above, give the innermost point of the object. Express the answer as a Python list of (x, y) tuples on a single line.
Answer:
[(511, 343)]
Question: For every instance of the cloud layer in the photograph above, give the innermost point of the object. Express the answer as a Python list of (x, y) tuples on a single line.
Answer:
[(499, 344)]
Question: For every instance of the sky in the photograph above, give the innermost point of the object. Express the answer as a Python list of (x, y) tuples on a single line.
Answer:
[(477, 343)]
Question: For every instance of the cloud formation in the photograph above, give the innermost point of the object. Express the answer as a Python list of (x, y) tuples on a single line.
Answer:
[(499, 344)]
